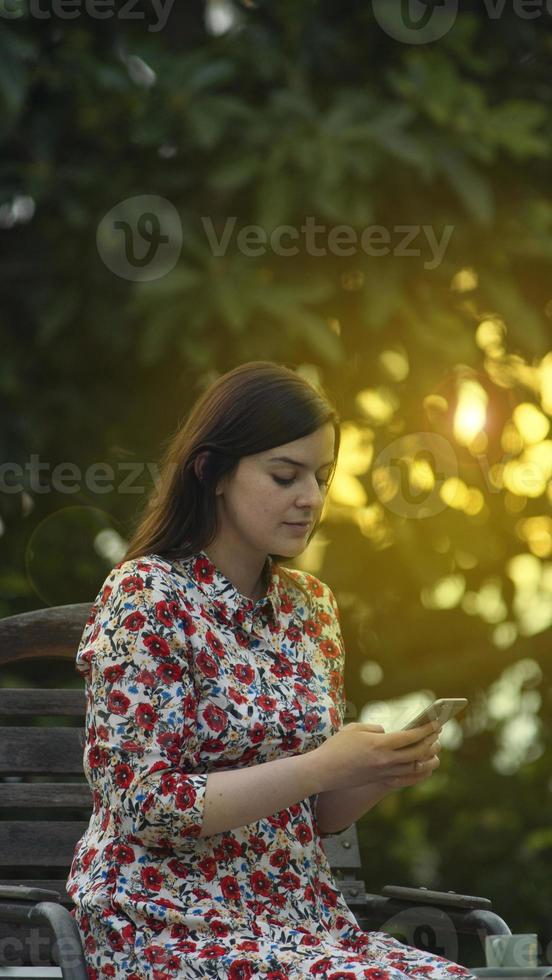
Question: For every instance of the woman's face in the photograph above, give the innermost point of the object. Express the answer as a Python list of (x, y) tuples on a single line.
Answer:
[(269, 491)]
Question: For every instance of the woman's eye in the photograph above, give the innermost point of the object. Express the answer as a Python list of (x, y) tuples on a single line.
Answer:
[(286, 482)]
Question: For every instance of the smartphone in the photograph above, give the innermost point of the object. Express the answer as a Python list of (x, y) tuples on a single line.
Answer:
[(441, 710)]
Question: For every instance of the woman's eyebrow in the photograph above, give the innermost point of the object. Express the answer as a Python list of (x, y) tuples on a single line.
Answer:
[(295, 462)]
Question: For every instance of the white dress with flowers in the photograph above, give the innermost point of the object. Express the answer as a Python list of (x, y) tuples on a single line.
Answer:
[(186, 676)]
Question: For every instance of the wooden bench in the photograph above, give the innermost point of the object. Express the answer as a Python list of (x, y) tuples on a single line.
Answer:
[(45, 805)]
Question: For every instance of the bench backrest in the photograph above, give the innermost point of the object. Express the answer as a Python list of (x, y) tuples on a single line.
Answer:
[(45, 801)]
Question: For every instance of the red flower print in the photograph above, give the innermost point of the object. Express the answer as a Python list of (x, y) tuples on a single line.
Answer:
[(228, 849), (152, 879), (290, 743), (266, 703), (145, 716), (311, 721), (329, 649), (88, 857), (219, 928), (146, 677), (163, 613), (280, 858), (286, 605), (287, 719), (244, 673), (209, 868), (115, 940), (185, 798), (95, 757), (134, 621), (215, 718), (314, 586), (230, 888), (257, 733), (123, 854), (123, 775), (241, 970), (329, 896), (290, 881), (281, 669), (207, 664), (294, 634), (317, 969), (312, 628), (118, 703), (325, 618), (303, 833), (172, 744), (248, 946), (130, 746), (214, 643), (157, 646), (114, 673), (257, 845), (131, 584), (305, 671), (187, 622), (236, 696), (209, 952), (260, 883), (169, 673), (203, 570)]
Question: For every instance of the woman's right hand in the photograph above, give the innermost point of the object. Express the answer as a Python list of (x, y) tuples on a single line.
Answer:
[(361, 753)]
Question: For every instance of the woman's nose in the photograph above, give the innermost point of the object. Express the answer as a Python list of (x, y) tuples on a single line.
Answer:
[(311, 496)]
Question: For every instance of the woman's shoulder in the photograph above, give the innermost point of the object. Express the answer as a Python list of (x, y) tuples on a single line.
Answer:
[(304, 582), (132, 576)]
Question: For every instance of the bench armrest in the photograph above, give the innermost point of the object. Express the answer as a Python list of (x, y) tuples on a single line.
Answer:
[(16, 907)]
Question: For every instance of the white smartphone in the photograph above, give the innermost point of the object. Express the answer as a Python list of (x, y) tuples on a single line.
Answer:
[(441, 710)]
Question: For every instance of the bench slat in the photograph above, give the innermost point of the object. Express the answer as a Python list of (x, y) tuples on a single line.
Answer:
[(42, 633), (52, 701), (38, 750), (42, 843), (53, 884), (45, 794)]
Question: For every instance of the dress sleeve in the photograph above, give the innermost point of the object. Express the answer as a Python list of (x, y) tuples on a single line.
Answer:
[(337, 637), (141, 752)]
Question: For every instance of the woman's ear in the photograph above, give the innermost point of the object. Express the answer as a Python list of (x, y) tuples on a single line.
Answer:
[(199, 465)]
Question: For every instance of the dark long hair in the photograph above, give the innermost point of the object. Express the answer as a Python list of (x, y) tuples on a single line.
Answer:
[(255, 407)]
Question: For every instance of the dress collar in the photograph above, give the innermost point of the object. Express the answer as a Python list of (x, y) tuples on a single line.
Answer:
[(229, 601)]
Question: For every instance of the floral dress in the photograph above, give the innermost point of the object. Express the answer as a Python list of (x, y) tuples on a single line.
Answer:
[(186, 676)]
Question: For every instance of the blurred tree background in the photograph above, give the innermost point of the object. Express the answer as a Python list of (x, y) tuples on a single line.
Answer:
[(434, 340)]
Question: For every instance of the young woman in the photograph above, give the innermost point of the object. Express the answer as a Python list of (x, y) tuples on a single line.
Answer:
[(216, 748)]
